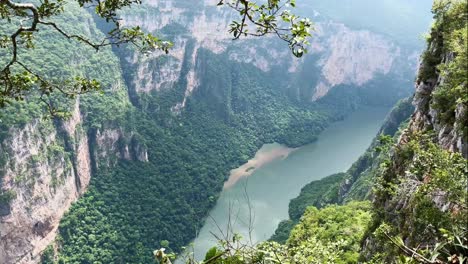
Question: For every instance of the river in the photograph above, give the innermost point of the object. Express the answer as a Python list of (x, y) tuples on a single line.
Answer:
[(277, 175)]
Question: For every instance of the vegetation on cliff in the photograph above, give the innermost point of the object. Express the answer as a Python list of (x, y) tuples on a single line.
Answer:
[(420, 196), (20, 81), (420, 204)]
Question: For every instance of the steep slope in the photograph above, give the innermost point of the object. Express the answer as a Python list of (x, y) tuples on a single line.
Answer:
[(419, 178), (421, 198), (218, 98)]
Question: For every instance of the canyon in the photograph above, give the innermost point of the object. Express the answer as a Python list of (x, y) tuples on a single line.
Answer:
[(47, 164)]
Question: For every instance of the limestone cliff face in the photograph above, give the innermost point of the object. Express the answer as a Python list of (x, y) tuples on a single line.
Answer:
[(46, 163), (115, 144), (341, 55), (45, 177), (351, 56), (401, 209), (49, 165)]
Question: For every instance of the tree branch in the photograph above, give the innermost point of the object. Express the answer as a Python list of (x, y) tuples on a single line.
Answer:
[(32, 28), (77, 37)]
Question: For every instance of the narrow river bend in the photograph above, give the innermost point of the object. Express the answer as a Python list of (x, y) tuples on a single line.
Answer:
[(270, 186)]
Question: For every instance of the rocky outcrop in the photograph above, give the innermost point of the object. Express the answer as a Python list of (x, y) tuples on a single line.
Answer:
[(449, 135), (47, 166), (114, 144), (45, 179), (46, 163), (423, 185), (352, 56)]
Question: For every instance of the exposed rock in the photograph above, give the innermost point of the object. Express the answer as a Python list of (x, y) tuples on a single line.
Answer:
[(449, 136), (115, 144), (48, 168), (158, 71), (356, 56), (107, 150), (346, 56), (351, 57), (42, 176), (399, 208)]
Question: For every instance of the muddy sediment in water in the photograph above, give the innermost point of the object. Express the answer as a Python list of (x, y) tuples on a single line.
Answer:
[(267, 154)]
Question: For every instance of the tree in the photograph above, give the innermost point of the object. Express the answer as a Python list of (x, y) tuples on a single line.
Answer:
[(17, 80)]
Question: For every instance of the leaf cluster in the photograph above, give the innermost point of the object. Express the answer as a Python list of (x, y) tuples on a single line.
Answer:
[(271, 17)]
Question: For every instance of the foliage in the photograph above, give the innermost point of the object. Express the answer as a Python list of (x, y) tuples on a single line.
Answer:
[(354, 184), (271, 18), (17, 115), (56, 57), (421, 192), (7, 196), (18, 79), (345, 223), (436, 203), (283, 230), (317, 193), (453, 91), (440, 170), (328, 235), (399, 114), (447, 57), (48, 255), (451, 247)]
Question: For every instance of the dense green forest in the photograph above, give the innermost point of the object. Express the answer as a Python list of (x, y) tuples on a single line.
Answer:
[(328, 235)]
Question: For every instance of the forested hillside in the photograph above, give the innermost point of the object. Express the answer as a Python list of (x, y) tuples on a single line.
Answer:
[(415, 175), (138, 165)]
